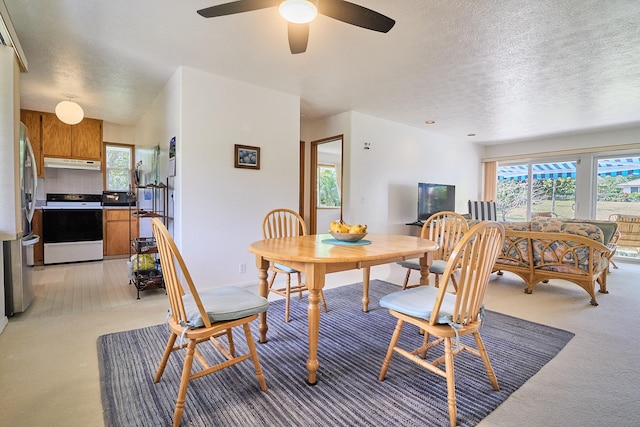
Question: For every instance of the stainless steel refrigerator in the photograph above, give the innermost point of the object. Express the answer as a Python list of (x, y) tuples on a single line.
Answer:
[(16, 213)]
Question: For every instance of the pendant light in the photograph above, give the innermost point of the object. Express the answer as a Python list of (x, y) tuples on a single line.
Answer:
[(69, 112), (298, 11)]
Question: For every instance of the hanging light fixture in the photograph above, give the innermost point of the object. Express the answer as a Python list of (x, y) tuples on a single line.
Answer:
[(69, 112), (298, 11)]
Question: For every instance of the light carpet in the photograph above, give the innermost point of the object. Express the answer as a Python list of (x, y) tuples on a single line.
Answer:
[(351, 349)]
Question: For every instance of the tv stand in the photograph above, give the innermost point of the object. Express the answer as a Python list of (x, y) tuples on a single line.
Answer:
[(418, 223)]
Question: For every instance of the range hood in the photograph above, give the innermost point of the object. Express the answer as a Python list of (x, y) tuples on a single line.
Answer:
[(54, 162)]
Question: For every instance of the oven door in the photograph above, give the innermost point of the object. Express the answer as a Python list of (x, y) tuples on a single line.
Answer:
[(72, 235), (71, 225)]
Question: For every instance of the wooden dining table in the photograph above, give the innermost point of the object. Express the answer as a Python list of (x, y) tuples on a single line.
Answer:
[(319, 254)]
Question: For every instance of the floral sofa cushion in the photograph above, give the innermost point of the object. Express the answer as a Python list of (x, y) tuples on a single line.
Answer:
[(566, 256)]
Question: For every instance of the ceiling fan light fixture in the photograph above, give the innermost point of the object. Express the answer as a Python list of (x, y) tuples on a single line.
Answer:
[(298, 11), (69, 112)]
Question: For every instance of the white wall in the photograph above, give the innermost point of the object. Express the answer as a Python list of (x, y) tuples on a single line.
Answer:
[(381, 184), (218, 208), (112, 132), (593, 141)]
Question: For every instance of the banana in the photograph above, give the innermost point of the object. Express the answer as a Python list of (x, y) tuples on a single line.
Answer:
[(358, 229), (343, 227)]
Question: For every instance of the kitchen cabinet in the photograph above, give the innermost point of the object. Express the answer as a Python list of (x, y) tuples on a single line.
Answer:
[(36, 228), (119, 229), (32, 120), (81, 141)]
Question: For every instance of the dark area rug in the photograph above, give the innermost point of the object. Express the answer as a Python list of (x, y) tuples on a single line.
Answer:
[(351, 349)]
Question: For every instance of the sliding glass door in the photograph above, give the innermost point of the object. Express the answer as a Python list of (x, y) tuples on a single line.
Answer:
[(536, 189), (618, 192)]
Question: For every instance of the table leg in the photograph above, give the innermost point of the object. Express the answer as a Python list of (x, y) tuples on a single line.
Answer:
[(425, 263), (263, 290), (366, 274), (314, 276)]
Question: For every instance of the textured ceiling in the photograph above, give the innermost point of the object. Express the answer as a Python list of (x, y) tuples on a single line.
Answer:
[(504, 70)]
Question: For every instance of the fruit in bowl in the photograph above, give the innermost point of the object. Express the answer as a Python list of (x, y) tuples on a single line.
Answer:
[(342, 231)]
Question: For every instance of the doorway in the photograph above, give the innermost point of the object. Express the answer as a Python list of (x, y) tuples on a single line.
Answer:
[(325, 183)]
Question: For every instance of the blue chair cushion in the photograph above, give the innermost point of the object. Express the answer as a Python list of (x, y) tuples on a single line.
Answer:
[(284, 268), (437, 267), (412, 264), (222, 304), (418, 302)]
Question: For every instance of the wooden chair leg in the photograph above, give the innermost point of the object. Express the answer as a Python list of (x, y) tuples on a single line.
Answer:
[(437, 280), (232, 347), (167, 351), (455, 283), (184, 383), (451, 382), (299, 285), (425, 343), (392, 344), (254, 357), (406, 279), (287, 298), (273, 279), (485, 358), (324, 303)]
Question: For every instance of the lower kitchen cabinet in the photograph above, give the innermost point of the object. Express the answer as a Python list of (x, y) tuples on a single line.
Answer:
[(36, 227), (119, 230)]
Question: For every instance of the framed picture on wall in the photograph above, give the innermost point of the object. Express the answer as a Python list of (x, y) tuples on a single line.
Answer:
[(246, 156)]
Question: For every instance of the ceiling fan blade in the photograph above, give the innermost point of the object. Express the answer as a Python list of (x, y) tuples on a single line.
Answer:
[(298, 37), (239, 6), (355, 15)]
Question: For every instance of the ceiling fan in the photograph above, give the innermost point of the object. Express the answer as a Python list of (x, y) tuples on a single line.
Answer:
[(299, 13)]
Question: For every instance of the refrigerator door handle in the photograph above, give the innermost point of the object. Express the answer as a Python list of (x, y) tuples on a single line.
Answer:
[(30, 240), (34, 171)]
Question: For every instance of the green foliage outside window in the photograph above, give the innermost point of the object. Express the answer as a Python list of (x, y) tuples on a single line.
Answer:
[(118, 167), (328, 191)]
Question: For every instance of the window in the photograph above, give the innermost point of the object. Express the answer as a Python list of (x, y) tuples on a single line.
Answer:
[(528, 189), (618, 185), (118, 165), (328, 189)]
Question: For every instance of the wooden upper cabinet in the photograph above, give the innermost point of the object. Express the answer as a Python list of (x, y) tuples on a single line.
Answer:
[(86, 139), (31, 120), (56, 137), (81, 141)]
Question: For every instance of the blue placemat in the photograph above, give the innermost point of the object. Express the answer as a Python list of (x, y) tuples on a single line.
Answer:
[(343, 243)]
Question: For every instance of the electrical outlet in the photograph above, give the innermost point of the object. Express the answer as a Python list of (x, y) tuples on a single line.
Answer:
[(242, 267)]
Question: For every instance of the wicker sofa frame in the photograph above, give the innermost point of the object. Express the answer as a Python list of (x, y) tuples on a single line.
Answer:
[(537, 256)]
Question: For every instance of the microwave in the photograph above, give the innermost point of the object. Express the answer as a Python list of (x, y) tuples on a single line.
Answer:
[(118, 198)]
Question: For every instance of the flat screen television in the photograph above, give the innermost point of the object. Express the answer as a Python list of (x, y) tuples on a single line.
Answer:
[(434, 198)]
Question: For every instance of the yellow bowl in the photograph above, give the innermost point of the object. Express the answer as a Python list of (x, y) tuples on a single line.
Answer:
[(348, 237)]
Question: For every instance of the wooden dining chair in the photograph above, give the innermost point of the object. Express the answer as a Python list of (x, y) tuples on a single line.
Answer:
[(483, 210), (199, 317), (447, 317), (446, 229), (285, 223)]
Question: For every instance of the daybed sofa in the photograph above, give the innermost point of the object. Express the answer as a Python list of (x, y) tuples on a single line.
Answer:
[(554, 248)]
